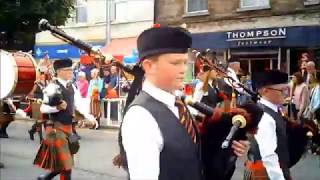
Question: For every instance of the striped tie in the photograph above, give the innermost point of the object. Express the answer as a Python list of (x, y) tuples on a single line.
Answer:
[(185, 120)]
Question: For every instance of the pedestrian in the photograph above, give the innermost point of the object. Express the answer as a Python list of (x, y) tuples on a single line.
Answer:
[(55, 153)]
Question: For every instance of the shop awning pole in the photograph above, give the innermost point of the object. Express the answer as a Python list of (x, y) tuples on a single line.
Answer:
[(279, 58)]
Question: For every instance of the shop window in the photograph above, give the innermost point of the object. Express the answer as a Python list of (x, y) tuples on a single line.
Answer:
[(311, 2), (254, 4), (80, 15), (196, 6), (119, 11)]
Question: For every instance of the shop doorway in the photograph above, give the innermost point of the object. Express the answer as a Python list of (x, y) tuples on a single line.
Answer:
[(253, 65)]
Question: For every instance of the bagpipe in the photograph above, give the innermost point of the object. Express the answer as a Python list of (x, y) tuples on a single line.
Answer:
[(217, 131), (100, 60), (222, 125)]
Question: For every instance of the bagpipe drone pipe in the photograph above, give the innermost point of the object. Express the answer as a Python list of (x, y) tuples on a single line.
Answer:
[(100, 60), (217, 131)]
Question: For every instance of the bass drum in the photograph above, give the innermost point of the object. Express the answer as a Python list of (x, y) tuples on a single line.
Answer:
[(18, 73)]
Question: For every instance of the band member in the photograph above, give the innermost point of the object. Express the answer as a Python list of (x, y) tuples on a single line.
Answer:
[(229, 86), (206, 91), (7, 112), (56, 151), (37, 93), (163, 143), (278, 143)]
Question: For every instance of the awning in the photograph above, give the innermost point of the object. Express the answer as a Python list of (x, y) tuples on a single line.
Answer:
[(121, 46)]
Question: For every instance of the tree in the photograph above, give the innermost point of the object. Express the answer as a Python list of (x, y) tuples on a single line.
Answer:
[(19, 20)]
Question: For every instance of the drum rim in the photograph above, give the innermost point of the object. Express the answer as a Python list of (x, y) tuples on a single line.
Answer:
[(16, 72), (16, 67)]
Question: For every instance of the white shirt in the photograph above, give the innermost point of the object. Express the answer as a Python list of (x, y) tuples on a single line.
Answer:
[(266, 138), (231, 73), (78, 103), (198, 92), (142, 138)]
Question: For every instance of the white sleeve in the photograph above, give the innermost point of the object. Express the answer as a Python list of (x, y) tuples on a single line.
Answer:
[(198, 92), (44, 108), (143, 142), (266, 138), (235, 83)]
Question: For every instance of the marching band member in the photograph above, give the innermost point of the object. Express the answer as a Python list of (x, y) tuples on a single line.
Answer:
[(163, 143), (206, 91), (278, 143), (37, 93), (56, 151), (7, 112)]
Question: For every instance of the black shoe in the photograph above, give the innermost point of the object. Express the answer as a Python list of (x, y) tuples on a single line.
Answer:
[(31, 134), (1, 165), (4, 135), (48, 176)]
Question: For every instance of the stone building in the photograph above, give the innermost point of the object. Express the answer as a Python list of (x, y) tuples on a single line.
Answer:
[(263, 34)]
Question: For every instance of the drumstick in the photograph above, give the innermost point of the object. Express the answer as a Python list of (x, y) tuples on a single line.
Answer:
[(39, 101)]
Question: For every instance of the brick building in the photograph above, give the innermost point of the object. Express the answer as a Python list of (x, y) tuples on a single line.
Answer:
[(261, 33)]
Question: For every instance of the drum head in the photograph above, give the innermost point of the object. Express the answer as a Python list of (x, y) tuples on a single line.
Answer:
[(8, 74)]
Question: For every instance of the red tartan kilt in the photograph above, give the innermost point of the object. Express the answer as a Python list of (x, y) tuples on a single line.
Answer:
[(255, 171), (95, 108), (54, 153)]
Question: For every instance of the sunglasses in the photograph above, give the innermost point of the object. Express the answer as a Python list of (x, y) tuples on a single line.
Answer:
[(66, 69)]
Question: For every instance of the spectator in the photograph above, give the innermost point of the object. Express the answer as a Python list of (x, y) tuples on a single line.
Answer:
[(299, 94), (303, 70), (82, 84), (114, 78), (94, 90), (106, 80), (311, 70), (315, 98), (95, 83)]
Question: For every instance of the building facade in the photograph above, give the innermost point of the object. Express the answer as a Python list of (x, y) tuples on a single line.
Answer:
[(109, 25), (262, 34)]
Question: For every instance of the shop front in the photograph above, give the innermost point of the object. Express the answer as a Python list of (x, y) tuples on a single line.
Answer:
[(268, 48)]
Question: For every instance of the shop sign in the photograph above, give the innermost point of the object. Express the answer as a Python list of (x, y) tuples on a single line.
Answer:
[(256, 37)]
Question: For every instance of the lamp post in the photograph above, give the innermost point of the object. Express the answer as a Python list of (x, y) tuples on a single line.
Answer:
[(108, 21)]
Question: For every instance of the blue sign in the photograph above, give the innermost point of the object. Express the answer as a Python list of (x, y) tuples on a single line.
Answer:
[(132, 59), (61, 51), (298, 36)]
